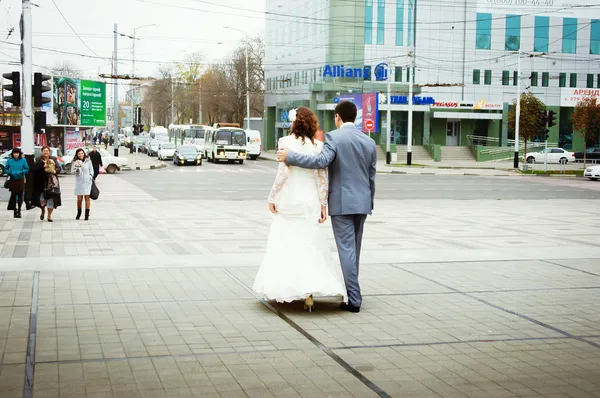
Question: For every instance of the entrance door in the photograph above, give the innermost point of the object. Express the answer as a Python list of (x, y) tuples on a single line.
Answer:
[(452, 132)]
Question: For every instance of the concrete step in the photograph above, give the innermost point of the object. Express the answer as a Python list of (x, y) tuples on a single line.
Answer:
[(454, 153), (419, 154)]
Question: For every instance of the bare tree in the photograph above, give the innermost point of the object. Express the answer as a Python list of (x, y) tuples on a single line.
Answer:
[(64, 68)]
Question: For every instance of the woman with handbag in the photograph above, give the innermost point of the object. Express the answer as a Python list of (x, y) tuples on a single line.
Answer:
[(84, 178), (16, 170), (46, 188)]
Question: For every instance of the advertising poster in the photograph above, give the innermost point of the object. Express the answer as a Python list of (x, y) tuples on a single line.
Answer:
[(55, 138), (356, 99), (5, 141), (39, 139), (16, 140), (370, 110), (73, 140), (78, 102)]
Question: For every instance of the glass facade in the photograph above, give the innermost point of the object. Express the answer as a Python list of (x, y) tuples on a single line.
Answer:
[(400, 22), (410, 27), (369, 22), (380, 21), (569, 36), (541, 34), (483, 34), (595, 36), (512, 40)]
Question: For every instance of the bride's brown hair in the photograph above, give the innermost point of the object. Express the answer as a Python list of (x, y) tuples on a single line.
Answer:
[(305, 125)]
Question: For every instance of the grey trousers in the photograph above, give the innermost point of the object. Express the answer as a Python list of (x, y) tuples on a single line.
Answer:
[(348, 232)]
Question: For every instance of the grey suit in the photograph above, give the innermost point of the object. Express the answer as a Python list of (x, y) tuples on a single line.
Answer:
[(351, 157)]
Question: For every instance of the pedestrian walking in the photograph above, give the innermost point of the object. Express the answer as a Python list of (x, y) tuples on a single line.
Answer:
[(16, 170), (46, 188), (105, 141), (96, 159), (84, 178)]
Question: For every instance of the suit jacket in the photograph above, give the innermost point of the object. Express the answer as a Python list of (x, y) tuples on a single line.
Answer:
[(351, 157)]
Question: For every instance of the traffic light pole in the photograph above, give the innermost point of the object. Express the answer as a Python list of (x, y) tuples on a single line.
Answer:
[(26, 107), (518, 111), (116, 100)]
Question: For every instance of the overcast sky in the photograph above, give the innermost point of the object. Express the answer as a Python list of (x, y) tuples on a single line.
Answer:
[(183, 26)]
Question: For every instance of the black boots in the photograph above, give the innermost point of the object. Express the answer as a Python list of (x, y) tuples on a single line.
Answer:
[(78, 214), (87, 214)]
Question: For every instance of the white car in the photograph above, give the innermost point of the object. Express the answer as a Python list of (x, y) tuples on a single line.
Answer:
[(199, 144), (166, 150), (111, 163), (593, 173), (555, 155)]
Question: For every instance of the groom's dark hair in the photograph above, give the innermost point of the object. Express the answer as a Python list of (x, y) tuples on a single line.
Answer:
[(347, 111)]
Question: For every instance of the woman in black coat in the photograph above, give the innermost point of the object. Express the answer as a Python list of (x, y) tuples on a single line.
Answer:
[(46, 188)]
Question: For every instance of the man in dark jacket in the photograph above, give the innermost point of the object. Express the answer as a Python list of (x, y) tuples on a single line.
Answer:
[(96, 159)]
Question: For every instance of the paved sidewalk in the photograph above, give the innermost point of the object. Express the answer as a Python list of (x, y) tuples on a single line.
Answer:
[(462, 298)]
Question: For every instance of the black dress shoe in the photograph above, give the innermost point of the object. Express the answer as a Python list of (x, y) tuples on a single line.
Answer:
[(349, 308)]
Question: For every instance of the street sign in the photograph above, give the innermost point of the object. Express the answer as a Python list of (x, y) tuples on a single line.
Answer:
[(369, 124)]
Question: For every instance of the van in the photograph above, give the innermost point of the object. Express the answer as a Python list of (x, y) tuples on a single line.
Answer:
[(225, 143), (254, 144)]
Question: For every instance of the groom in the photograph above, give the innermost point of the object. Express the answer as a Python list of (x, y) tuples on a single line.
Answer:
[(351, 157)]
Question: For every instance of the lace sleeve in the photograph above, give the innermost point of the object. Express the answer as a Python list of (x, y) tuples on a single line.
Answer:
[(283, 172), (323, 185)]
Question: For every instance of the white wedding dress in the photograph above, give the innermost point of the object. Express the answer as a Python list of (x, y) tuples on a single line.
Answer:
[(297, 262)]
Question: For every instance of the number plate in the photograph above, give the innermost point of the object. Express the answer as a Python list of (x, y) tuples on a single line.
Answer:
[(231, 155)]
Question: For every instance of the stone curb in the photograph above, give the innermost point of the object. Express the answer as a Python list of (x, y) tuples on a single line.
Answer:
[(150, 167)]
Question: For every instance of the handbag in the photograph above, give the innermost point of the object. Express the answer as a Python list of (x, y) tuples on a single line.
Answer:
[(95, 192), (101, 170), (6, 182)]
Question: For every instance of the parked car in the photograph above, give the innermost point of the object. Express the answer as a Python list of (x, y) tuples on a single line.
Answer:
[(111, 163), (593, 173), (555, 155), (152, 148), (254, 144), (166, 150), (591, 154), (187, 154), (3, 159)]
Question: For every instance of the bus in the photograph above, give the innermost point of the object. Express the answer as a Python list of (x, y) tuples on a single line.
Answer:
[(225, 143), (186, 133)]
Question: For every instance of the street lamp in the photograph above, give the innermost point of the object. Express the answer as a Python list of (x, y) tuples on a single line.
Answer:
[(247, 76)]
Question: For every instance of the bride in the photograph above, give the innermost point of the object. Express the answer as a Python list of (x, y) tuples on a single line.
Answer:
[(298, 264)]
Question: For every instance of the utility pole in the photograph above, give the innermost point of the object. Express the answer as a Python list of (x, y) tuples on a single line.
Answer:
[(388, 117), (518, 111), (116, 99), (200, 97), (172, 105), (410, 110), (247, 86), (131, 87), (26, 60)]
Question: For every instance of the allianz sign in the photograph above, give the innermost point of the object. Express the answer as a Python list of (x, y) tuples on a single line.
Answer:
[(381, 72)]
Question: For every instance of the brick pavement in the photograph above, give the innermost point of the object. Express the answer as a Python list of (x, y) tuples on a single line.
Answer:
[(153, 299)]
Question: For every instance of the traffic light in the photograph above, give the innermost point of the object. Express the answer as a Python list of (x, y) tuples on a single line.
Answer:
[(39, 89), (543, 117), (551, 118), (546, 135), (39, 121), (14, 88)]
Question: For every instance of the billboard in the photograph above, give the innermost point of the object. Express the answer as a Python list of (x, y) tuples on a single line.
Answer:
[(570, 97), (551, 8), (74, 139), (367, 106), (78, 102)]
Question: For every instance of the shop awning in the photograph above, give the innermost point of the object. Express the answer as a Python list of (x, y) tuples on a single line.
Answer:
[(467, 115)]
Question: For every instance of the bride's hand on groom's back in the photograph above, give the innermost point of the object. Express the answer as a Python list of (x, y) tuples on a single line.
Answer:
[(272, 208), (323, 214)]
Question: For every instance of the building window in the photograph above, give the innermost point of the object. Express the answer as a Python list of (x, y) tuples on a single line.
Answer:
[(569, 36), (534, 79), (541, 34), (515, 78), (505, 78), (590, 81), (573, 80), (380, 21), (408, 74), (562, 80), (487, 78), (399, 22), (598, 78), (545, 79), (367, 73), (409, 42), (512, 41), (476, 76), (369, 22), (595, 36), (483, 35), (398, 74)]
